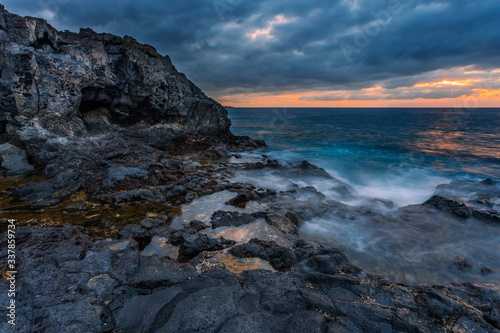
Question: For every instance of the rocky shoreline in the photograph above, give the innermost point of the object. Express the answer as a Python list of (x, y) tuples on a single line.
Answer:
[(156, 276), (103, 143)]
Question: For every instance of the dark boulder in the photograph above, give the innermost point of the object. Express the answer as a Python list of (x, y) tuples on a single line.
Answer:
[(488, 182), (136, 232), (283, 224), (279, 257), (461, 264), (252, 249), (236, 219), (449, 205), (13, 161), (192, 245), (176, 236), (459, 209)]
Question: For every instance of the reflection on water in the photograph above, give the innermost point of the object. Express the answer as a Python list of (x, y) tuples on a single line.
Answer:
[(233, 264), (454, 143), (160, 246), (258, 229), (99, 219), (117, 247), (354, 141), (201, 209)]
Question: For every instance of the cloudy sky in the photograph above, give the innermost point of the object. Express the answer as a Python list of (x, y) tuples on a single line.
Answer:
[(310, 53)]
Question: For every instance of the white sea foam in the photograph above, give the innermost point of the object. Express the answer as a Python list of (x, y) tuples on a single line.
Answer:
[(414, 249), (389, 161), (407, 242)]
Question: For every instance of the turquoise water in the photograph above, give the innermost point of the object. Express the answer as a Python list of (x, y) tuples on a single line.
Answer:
[(391, 160), (398, 154)]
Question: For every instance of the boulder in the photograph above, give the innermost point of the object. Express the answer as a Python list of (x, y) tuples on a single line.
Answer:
[(192, 245), (13, 161)]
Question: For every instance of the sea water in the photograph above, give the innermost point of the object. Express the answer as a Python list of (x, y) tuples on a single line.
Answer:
[(398, 157)]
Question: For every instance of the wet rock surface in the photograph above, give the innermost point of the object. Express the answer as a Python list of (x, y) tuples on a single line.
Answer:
[(67, 280), (460, 209)]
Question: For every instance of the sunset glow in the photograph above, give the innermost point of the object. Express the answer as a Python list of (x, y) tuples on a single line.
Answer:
[(468, 89), (485, 98), (445, 82)]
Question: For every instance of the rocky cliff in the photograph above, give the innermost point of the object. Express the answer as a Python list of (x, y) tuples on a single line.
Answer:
[(60, 86)]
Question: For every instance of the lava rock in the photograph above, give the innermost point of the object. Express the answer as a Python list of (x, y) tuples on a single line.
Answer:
[(67, 182), (452, 206), (240, 200), (485, 271), (176, 236), (460, 209), (13, 161), (306, 169), (252, 249), (151, 196), (136, 232), (226, 219), (488, 182), (192, 245), (75, 208), (461, 264), (281, 258), (66, 280), (114, 82), (155, 271), (153, 222), (34, 192), (283, 224)]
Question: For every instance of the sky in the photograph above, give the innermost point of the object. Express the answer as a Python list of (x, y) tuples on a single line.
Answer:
[(310, 53)]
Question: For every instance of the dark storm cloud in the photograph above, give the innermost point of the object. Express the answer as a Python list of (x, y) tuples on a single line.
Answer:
[(316, 45)]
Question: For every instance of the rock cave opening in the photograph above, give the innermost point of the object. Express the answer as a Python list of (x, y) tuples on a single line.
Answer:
[(102, 107), (3, 126)]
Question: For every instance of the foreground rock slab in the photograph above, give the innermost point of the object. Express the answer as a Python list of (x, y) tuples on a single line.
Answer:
[(69, 283)]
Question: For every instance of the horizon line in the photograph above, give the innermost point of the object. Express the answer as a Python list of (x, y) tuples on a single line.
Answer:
[(361, 107)]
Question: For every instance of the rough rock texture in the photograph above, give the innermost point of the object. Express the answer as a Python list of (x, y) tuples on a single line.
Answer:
[(460, 209), (68, 283), (13, 161), (58, 86), (103, 114)]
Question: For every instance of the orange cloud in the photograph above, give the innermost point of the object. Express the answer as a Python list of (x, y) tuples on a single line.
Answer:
[(483, 98), (470, 91), (486, 93), (446, 82)]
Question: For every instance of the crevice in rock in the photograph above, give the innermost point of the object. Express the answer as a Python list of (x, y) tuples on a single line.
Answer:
[(3, 126), (45, 40), (100, 107)]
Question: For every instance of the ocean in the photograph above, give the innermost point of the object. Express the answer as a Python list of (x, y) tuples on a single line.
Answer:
[(399, 157)]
